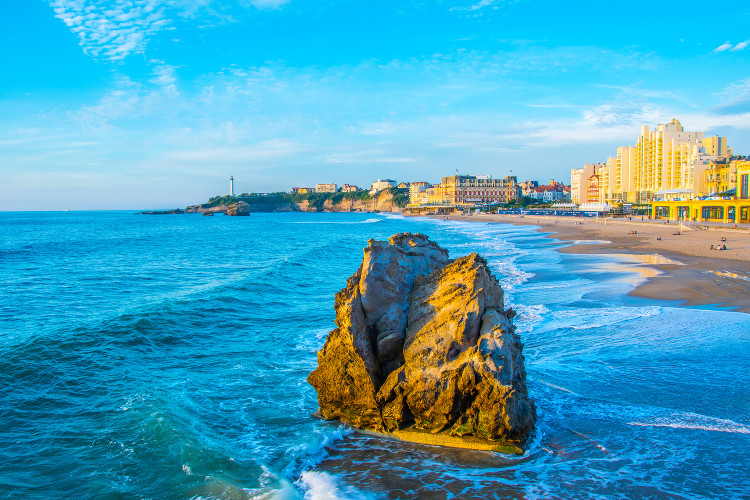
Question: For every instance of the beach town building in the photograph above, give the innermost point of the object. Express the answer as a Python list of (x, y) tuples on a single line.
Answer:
[(665, 159), (403, 185), (743, 180), (527, 187), (723, 175), (427, 195), (303, 190), (549, 193), (473, 189), (729, 202), (594, 188), (579, 182), (349, 188), (618, 176), (416, 189), (325, 188), (381, 184), (713, 209)]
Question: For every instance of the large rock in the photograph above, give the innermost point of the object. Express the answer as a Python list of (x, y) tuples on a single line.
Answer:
[(424, 342), (239, 208)]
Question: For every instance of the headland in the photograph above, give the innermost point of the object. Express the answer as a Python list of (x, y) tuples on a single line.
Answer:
[(392, 199)]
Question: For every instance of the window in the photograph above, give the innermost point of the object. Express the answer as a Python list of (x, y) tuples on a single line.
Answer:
[(713, 212), (661, 211)]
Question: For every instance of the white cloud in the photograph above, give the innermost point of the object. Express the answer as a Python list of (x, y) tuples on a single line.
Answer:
[(364, 157), (261, 154), (129, 99), (268, 4), (476, 6), (114, 31), (734, 99), (165, 78), (621, 115), (732, 48), (723, 47), (736, 91)]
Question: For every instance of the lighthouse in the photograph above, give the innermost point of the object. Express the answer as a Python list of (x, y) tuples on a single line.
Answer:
[(231, 186)]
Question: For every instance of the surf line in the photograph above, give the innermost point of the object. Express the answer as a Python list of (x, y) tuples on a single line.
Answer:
[(584, 436)]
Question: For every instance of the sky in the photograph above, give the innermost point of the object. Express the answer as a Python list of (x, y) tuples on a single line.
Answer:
[(150, 104)]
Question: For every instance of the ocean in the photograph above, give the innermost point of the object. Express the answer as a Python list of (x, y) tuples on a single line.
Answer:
[(147, 356)]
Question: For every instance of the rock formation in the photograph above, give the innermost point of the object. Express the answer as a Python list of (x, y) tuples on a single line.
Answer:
[(239, 208), (163, 212), (424, 343)]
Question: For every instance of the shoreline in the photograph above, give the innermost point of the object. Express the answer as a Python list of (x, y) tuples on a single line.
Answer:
[(688, 271)]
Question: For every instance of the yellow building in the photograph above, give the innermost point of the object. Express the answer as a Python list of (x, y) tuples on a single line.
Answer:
[(720, 177), (743, 180), (666, 158), (728, 211), (466, 190), (723, 176), (618, 177), (470, 189), (716, 146), (669, 158), (415, 192)]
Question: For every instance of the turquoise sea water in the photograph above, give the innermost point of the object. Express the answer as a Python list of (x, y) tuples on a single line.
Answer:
[(166, 356)]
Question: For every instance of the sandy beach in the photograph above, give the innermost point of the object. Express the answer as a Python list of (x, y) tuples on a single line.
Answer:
[(678, 261)]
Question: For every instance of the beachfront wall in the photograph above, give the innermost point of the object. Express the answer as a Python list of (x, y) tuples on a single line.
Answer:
[(726, 211)]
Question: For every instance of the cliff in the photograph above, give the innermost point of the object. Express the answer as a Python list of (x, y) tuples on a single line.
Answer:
[(381, 202), (424, 346)]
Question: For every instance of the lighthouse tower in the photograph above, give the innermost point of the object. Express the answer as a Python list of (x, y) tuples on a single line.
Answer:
[(231, 186)]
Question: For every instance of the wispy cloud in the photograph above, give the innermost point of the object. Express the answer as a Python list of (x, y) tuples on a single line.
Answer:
[(267, 4), (618, 115), (735, 98), (115, 29), (129, 99), (731, 47), (365, 157), (251, 155), (723, 47), (481, 4)]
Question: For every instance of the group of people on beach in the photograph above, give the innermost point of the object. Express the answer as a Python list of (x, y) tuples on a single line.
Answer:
[(719, 247)]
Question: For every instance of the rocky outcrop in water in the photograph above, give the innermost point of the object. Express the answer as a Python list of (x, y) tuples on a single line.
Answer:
[(238, 209), (163, 212), (424, 342)]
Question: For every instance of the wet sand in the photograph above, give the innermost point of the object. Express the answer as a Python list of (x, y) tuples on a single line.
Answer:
[(688, 270)]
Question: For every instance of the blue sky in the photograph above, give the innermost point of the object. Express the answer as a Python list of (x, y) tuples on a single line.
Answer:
[(136, 104)]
